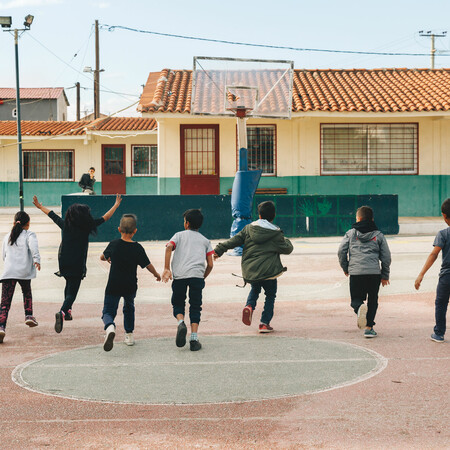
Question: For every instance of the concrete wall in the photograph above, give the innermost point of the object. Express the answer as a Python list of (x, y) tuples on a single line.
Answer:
[(50, 109)]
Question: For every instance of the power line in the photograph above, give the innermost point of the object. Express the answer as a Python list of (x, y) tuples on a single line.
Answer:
[(280, 47)]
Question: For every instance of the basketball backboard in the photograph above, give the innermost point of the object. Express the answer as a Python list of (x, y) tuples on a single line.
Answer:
[(259, 87)]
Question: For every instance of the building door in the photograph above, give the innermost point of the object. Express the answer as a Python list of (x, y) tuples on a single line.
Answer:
[(113, 170), (199, 159)]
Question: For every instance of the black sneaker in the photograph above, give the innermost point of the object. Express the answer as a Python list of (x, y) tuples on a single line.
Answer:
[(195, 345), (109, 338), (181, 335), (59, 318), (68, 315)]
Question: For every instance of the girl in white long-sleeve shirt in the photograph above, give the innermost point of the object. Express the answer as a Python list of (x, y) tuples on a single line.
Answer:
[(20, 253)]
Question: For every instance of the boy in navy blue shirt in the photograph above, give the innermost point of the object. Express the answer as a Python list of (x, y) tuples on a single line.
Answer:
[(441, 242), (125, 256)]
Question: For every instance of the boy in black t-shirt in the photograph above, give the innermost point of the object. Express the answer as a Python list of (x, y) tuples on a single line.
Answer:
[(124, 255)]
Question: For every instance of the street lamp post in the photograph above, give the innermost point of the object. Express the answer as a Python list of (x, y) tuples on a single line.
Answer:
[(5, 22)]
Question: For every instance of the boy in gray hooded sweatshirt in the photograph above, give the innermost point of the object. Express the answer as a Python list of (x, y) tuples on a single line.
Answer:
[(261, 265), (360, 253)]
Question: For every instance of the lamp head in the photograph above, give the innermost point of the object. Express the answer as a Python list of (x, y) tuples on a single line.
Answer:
[(5, 21), (28, 21)]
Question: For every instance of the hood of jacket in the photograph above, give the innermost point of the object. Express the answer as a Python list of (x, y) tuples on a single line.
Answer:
[(262, 231), (366, 230)]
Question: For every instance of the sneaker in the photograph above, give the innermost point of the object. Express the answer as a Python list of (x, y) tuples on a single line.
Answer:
[(195, 345), (362, 316), (129, 339), (31, 321), (247, 313), (2, 334), (370, 333), (68, 315), (59, 317), (265, 328), (436, 338), (181, 335), (109, 339)]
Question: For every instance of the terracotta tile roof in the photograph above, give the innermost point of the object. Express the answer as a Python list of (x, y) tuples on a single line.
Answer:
[(360, 90), (54, 128)]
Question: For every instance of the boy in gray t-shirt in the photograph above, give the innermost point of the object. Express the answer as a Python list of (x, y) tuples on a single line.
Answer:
[(191, 264), (441, 242)]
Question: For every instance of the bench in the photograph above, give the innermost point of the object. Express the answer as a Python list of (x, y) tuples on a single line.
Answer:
[(267, 191)]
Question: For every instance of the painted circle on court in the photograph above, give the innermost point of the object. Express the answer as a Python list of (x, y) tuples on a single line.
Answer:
[(226, 369)]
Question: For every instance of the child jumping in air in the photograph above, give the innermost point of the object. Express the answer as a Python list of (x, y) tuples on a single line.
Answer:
[(76, 227), (20, 252), (124, 255), (261, 264), (441, 242), (192, 262), (362, 250)]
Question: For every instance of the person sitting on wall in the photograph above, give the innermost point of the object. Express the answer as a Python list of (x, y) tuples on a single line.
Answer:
[(87, 181)]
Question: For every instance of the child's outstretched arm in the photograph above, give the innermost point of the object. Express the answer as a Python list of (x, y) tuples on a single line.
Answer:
[(235, 241), (109, 214), (40, 205), (428, 263), (209, 265), (167, 274), (152, 270)]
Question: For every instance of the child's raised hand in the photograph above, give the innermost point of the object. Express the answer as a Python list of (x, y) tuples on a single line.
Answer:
[(167, 275), (36, 202), (385, 282), (118, 199)]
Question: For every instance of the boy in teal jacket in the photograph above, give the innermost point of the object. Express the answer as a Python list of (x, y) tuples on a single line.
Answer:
[(263, 243)]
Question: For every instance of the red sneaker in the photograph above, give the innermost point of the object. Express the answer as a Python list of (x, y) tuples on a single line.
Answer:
[(247, 313), (264, 328)]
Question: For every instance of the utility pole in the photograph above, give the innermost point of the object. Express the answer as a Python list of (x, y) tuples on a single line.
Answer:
[(78, 100), (432, 35), (97, 74)]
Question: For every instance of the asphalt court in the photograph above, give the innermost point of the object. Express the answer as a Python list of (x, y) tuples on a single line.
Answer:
[(233, 369)]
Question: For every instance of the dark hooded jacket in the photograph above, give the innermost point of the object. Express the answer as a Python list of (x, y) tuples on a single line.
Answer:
[(363, 248), (262, 249)]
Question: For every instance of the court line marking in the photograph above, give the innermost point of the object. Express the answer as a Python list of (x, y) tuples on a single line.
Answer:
[(381, 364)]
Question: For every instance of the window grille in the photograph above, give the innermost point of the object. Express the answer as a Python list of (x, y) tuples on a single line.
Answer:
[(369, 149), (261, 144), (145, 160), (200, 151), (48, 165)]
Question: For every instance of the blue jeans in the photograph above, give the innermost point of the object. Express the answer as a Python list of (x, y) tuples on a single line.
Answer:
[(110, 306), (179, 288), (270, 290), (441, 303)]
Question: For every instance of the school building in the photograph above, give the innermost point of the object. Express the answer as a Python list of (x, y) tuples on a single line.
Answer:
[(381, 131)]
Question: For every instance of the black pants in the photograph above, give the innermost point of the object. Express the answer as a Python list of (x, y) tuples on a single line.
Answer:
[(364, 287), (179, 289), (70, 292)]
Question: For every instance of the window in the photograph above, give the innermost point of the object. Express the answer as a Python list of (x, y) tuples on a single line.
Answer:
[(261, 145), (369, 148), (200, 146), (48, 165), (145, 160)]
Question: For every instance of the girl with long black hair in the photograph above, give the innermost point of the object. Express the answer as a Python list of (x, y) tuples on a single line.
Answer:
[(20, 252), (76, 227)]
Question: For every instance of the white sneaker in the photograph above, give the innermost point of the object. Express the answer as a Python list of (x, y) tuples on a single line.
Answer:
[(129, 339), (109, 339), (362, 316)]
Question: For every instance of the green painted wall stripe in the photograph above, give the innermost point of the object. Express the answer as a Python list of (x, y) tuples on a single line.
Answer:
[(418, 195)]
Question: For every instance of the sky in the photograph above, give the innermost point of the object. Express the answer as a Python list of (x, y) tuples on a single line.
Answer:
[(60, 42)]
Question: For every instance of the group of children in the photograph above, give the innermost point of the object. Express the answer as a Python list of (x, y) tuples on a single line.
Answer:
[(363, 255)]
